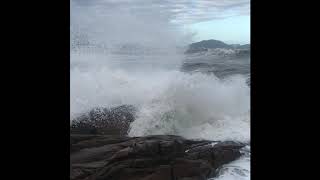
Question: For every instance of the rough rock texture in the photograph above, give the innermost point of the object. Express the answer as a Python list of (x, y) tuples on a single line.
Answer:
[(159, 157), (114, 121)]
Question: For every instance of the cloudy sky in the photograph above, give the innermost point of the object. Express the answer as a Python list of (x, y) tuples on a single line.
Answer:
[(226, 20)]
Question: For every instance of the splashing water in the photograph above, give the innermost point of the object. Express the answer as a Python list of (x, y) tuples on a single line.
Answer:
[(197, 106), (236, 170), (168, 101)]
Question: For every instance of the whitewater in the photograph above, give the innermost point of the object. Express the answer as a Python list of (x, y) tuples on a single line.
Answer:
[(169, 101)]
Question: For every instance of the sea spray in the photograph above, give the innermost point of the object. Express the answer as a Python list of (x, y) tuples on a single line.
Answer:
[(197, 106), (120, 57)]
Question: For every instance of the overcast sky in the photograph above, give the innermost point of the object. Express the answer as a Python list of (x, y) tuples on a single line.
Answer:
[(226, 20)]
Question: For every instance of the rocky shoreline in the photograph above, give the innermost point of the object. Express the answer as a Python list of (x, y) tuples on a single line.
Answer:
[(159, 157), (101, 150)]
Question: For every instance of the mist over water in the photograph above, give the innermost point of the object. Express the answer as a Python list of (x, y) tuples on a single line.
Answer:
[(120, 57)]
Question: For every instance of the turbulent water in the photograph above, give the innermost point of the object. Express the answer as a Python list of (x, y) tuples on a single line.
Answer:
[(199, 96), (236, 170), (193, 105)]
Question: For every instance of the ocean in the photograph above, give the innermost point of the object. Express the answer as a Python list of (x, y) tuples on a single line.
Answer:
[(203, 95)]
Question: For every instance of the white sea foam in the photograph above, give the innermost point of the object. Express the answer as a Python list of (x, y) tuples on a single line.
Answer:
[(236, 170), (197, 106), (168, 101)]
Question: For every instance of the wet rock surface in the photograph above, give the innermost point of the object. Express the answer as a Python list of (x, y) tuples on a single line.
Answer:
[(158, 157), (101, 120)]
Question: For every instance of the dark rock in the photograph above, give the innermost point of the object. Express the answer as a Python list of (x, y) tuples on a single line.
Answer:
[(161, 173), (225, 152), (112, 121), (160, 157)]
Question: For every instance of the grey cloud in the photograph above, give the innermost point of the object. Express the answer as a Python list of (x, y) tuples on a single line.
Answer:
[(178, 11)]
